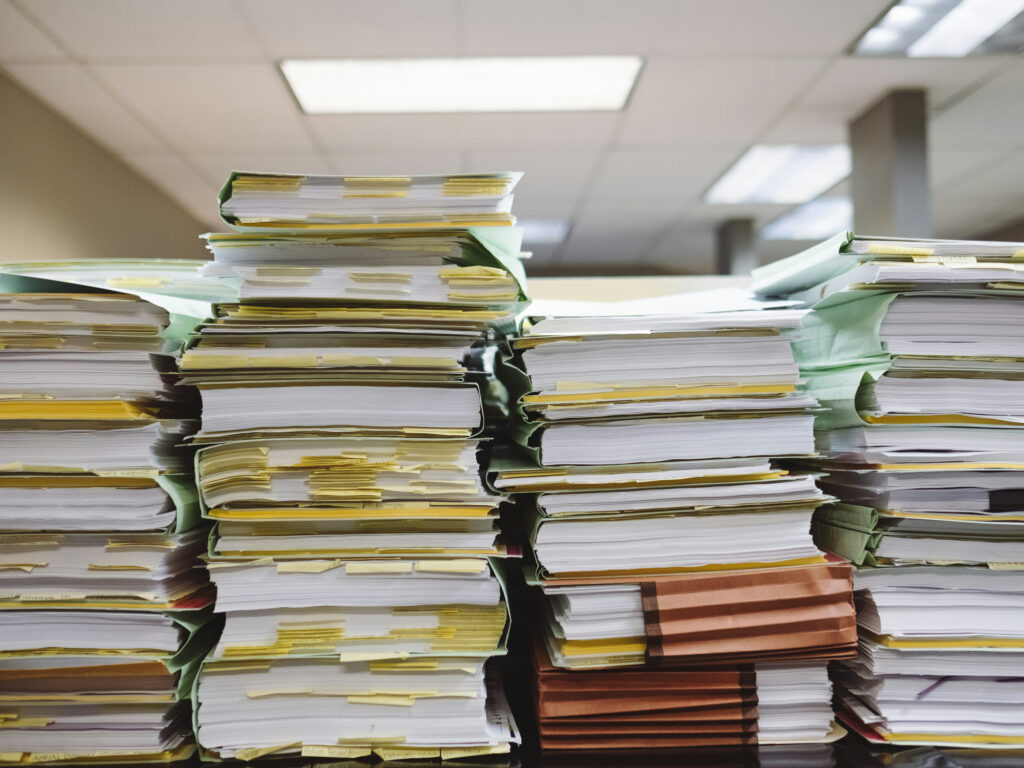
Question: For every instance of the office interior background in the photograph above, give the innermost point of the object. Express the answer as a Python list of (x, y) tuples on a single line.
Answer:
[(668, 146), (724, 141)]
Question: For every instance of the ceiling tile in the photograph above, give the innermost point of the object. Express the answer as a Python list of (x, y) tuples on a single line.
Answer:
[(624, 252), (809, 126), (851, 84), (1000, 186), (215, 108), (561, 174), (711, 102), (22, 40), (148, 30), (951, 166), (547, 131), (990, 117), (984, 201), (355, 28), (194, 193), (395, 163), (659, 178), (72, 92), (351, 133), (539, 131), (601, 217), (755, 27), (542, 207), (215, 168)]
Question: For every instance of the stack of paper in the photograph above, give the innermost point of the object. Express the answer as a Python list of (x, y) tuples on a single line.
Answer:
[(341, 420), (662, 530), (264, 201), (915, 348), (101, 583)]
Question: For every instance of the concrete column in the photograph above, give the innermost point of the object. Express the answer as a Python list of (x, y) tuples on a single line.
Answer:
[(734, 247), (889, 180)]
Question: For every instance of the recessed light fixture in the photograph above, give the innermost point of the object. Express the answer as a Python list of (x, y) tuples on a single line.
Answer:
[(816, 220), (946, 29), (543, 231), (782, 173), (507, 84)]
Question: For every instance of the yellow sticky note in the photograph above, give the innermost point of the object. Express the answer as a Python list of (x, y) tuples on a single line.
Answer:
[(323, 750), (405, 753), (898, 249), (355, 656), (453, 753), (383, 699), (254, 752), (951, 261), (308, 566), (451, 566), (398, 566)]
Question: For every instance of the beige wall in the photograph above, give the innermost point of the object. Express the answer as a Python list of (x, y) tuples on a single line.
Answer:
[(63, 196)]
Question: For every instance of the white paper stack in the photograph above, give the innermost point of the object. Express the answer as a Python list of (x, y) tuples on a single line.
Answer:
[(915, 349), (663, 531), (102, 589), (940, 649), (649, 438), (338, 203), (341, 420)]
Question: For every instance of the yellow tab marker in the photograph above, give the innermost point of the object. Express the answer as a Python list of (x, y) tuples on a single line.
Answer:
[(898, 249), (383, 699), (453, 753), (378, 567), (355, 657), (949, 261), (306, 566), (406, 753), (451, 566), (254, 752), (323, 750)]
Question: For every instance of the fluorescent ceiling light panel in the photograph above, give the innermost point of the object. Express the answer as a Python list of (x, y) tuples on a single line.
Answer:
[(543, 231), (946, 28), (816, 220), (514, 84), (781, 173), (964, 28)]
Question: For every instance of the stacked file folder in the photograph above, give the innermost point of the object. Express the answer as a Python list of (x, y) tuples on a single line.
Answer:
[(355, 548), (102, 590), (915, 348), (664, 534)]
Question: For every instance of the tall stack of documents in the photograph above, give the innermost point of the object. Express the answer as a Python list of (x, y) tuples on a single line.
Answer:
[(355, 548), (102, 589), (915, 348), (664, 535)]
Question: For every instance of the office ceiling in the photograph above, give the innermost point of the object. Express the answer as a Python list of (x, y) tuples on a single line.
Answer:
[(186, 90)]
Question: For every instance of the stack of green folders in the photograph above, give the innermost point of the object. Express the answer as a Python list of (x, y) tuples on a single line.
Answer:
[(355, 551), (104, 601), (916, 349)]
